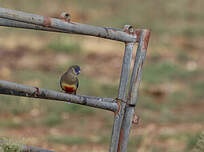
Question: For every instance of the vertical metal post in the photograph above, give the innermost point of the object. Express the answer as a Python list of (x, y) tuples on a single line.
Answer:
[(121, 96), (133, 90)]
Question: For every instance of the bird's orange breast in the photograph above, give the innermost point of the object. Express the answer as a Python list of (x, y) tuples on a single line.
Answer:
[(69, 88)]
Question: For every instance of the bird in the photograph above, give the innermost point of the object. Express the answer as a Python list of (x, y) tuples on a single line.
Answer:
[(69, 81)]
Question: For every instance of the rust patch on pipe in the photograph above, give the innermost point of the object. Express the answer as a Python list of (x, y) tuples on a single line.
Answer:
[(135, 119), (47, 21), (138, 34), (121, 137), (119, 106), (146, 39)]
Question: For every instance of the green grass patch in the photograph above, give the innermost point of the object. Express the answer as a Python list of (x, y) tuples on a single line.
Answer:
[(197, 88), (63, 45), (104, 139), (167, 115), (155, 148), (47, 80), (92, 87), (147, 102), (9, 123), (68, 140), (161, 72), (182, 56), (77, 109), (165, 72), (52, 119), (59, 108), (135, 141), (193, 142), (14, 105), (177, 98), (7, 145), (199, 147)]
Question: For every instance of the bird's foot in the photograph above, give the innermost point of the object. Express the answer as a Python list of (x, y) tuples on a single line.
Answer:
[(36, 93)]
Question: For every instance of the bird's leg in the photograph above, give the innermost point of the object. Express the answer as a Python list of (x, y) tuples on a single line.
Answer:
[(36, 93)]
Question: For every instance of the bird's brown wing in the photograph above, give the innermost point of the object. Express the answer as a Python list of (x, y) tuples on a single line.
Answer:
[(61, 79)]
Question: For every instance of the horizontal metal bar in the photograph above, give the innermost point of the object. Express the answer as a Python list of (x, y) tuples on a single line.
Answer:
[(11, 88), (70, 27), (17, 24)]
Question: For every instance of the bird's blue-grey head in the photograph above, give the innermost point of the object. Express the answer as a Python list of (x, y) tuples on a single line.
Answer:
[(76, 69)]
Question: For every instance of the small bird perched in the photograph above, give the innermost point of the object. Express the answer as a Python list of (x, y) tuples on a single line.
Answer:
[(69, 81)]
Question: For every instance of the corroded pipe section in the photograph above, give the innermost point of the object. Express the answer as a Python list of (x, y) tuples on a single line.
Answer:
[(15, 89), (133, 90), (121, 96), (137, 69), (69, 27), (17, 24)]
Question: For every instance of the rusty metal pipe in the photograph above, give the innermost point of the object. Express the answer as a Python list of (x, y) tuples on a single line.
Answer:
[(69, 27), (17, 24), (10, 88), (133, 90), (121, 96)]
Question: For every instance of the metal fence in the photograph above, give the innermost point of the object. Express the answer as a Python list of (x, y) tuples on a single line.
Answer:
[(123, 106)]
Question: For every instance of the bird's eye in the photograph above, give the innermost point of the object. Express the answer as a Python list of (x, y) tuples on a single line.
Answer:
[(77, 70)]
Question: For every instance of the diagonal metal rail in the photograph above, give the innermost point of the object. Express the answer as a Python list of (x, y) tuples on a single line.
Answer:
[(11, 88)]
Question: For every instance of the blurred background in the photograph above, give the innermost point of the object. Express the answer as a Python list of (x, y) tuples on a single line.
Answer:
[(171, 93)]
